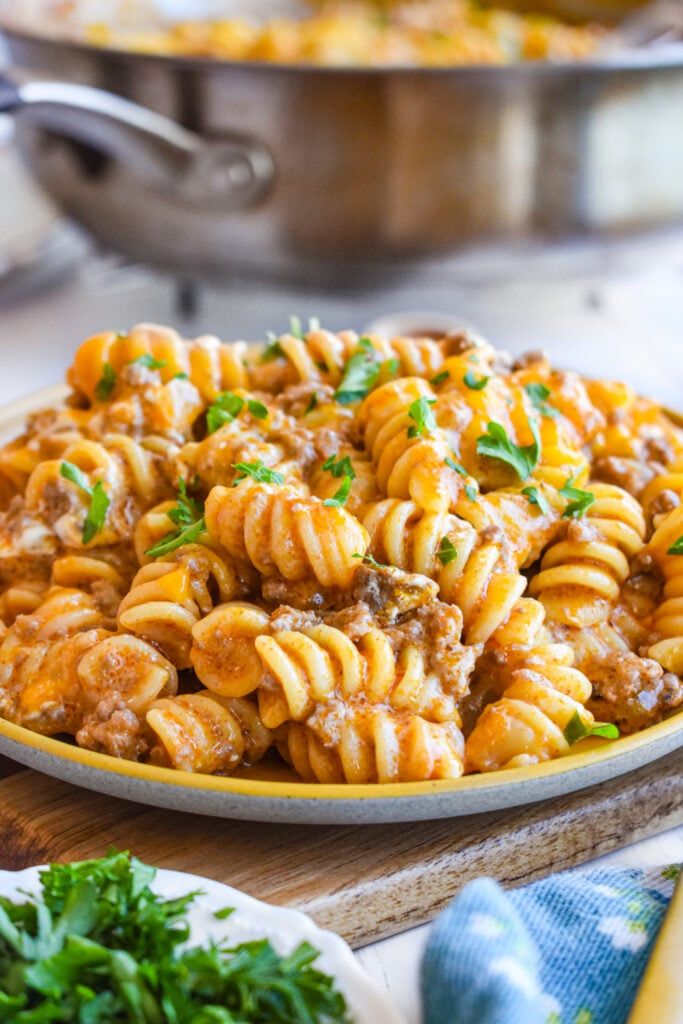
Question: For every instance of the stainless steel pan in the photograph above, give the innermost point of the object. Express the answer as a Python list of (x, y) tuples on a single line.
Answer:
[(206, 166)]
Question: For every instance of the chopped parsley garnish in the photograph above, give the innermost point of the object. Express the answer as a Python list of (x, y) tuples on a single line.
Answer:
[(497, 445), (339, 467), (440, 378), (179, 376), (340, 498), (576, 729), (389, 368), (420, 412), (148, 361), (536, 497), (457, 466), (188, 517), (273, 349), (97, 945), (471, 492), (99, 500), (361, 373), (475, 383), (312, 403), (295, 328), (369, 560), (106, 383), (677, 547), (257, 471), (447, 551), (227, 407), (538, 393), (223, 913), (578, 501)]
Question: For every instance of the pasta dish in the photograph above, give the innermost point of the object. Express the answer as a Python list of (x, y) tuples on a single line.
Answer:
[(379, 559), (363, 32)]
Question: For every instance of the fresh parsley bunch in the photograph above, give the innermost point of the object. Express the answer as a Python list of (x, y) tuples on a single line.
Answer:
[(99, 947)]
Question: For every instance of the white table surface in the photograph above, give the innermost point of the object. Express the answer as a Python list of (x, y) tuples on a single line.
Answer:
[(615, 317)]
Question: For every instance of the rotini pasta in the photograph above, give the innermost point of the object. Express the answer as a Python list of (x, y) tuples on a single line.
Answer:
[(381, 559)]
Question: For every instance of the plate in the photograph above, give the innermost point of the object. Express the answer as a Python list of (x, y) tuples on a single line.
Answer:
[(253, 920), (276, 795)]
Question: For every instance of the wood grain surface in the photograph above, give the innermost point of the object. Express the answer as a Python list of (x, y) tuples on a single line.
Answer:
[(364, 882)]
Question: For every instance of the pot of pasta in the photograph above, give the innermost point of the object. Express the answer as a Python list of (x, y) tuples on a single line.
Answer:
[(379, 560), (348, 135)]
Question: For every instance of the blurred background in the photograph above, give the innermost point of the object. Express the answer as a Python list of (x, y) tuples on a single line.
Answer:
[(222, 166)]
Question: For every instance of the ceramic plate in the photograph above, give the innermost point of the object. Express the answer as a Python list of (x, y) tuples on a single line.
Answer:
[(254, 920), (269, 793)]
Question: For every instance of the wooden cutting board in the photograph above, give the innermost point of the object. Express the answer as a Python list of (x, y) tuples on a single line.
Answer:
[(364, 882)]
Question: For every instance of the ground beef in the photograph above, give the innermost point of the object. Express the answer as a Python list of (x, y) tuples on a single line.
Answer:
[(632, 475), (492, 535), (631, 691), (113, 729), (527, 359), (287, 618), (581, 531), (390, 592), (658, 449), (436, 629), (664, 502), (460, 341), (303, 594), (355, 621)]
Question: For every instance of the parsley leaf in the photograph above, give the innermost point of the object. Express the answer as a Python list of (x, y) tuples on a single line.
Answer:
[(471, 492), (677, 547), (339, 468), (497, 445), (420, 412), (226, 407), (579, 501), (180, 376), (224, 912), (312, 403), (340, 498), (99, 499), (447, 551), (369, 560), (536, 497), (106, 383), (475, 383), (457, 466), (257, 471), (273, 350), (440, 378), (149, 362), (538, 393), (188, 516), (257, 409), (360, 374), (576, 729), (389, 368)]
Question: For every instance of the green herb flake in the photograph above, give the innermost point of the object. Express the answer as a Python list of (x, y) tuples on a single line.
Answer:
[(226, 407), (578, 501), (312, 404), (677, 547), (360, 376), (257, 409), (389, 368), (339, 467), (457, 466), (187, 516), (180, 376), (576, 729), (496, 444), (273, 349), (256, 471), (421, 413), (106, 383), (99, 499), (223, 913), (447, 551), (538, 393), (475, 383), (369, 560), (341, 497), (471, 492), (148, 361), (536, 497), (440, 378)]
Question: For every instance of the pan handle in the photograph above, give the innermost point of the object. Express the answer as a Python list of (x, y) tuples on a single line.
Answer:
[(235, 171)]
